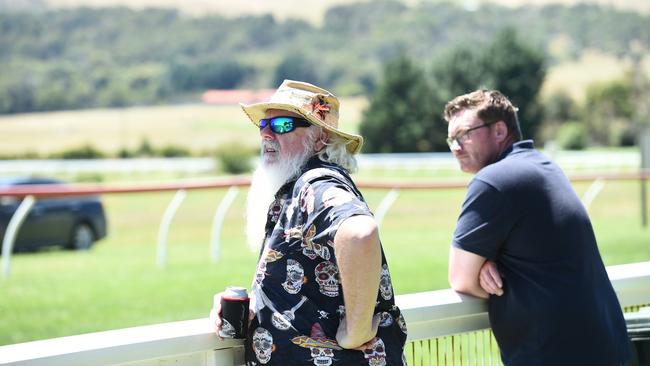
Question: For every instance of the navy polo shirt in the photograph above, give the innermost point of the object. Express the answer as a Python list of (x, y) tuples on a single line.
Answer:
[(558, 306)]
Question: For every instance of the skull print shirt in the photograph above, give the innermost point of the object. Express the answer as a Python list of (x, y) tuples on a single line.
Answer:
[(297, 284)]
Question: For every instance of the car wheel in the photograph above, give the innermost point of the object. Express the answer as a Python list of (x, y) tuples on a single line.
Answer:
[(82, 237)]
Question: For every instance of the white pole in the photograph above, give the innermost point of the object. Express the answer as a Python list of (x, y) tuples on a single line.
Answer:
[(217, 222), (11, 232), (592, 192), (385, 204), (163, 232)]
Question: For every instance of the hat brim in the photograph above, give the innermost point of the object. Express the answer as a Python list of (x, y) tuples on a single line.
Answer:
[(256, 111)]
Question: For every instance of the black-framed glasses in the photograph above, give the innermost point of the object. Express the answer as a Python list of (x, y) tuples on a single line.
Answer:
[(463, 136), (283, 124)]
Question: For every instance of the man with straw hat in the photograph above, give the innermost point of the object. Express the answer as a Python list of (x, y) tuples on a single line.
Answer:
[(322, 292)]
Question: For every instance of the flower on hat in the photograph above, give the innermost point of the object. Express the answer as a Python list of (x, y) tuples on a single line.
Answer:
[(319, 106)]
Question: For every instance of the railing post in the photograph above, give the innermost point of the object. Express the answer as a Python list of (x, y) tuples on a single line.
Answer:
[(12, 231), (163, 232), (645, 166), (217, 222), (385, 204), (592, 192), (233, 356)]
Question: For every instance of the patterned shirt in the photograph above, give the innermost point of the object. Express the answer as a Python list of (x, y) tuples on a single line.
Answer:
[(297, 284)]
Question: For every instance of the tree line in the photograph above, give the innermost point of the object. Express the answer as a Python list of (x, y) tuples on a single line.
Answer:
[(408, 59), (111, 57), (405, 112)]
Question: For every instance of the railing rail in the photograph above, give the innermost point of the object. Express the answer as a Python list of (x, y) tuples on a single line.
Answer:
[(47, 190), (441, 161), (428, 315)]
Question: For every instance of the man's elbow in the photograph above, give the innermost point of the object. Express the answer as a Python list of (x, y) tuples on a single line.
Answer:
[(366, 231), (467, 286), (458, 283)]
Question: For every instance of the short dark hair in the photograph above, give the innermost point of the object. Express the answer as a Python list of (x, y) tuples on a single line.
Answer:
[(490, 105)]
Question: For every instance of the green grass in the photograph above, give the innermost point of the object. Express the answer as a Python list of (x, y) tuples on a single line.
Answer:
[(117, 284)]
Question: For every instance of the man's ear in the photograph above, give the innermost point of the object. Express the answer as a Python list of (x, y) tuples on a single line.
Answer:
[(501, 131), (322, 140)]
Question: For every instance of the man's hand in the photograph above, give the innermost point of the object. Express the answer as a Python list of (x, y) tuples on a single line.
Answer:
[(490, 279), (215, 312), (343, 339)]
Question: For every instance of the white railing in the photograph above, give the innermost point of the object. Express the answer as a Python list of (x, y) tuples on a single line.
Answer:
[(428, 315), (571, 161)]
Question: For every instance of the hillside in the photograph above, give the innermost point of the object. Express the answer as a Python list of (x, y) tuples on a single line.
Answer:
[(89, 57), (309, 10)]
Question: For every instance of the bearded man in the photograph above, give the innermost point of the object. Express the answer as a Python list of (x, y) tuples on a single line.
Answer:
[(322, 292)]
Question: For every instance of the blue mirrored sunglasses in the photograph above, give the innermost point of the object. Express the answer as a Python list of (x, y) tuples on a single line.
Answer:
[(282, 124)]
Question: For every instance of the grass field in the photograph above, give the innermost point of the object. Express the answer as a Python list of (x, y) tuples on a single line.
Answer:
[(197, 127), (592, 67), (117, 284)]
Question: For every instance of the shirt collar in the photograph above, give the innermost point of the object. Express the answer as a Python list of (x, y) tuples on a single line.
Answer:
[(517, 147), (313, 162)]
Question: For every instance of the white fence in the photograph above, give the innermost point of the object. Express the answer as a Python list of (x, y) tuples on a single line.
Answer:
[(572, 161), (192, 343)]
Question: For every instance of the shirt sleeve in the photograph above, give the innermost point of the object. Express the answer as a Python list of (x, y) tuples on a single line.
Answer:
[(327, 203), (485, 220)]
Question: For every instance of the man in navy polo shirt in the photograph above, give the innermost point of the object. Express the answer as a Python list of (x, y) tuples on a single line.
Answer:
[(524, 241)]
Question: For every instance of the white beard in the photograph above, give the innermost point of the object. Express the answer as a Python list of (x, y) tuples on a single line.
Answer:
[(267, 180)]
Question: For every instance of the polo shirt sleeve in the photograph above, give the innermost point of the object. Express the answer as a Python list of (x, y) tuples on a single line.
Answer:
[(486, 218), (328, 201)]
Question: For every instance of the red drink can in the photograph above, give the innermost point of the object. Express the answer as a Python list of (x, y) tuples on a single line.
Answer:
[(234, 313)]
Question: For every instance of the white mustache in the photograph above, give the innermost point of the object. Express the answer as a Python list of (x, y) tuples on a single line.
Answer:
[(270, 145)]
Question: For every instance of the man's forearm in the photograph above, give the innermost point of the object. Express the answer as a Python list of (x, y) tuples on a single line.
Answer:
[(469, 287), (464, 270), (358, 254)]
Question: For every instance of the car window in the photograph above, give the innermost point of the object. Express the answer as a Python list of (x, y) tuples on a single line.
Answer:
[(9, 201)]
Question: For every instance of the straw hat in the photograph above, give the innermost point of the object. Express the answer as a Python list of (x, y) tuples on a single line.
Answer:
[(316, 105)]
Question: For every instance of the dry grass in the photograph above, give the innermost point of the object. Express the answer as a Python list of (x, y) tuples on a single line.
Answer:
[(592, 67), (311, 10), (201, 127), (197, 127)]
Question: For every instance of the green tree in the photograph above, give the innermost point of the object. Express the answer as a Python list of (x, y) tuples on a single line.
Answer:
[(458, 71), (399, 116), (517, 70), (560, 109), (295, 66), (608, 113), (145, 148), (224, 74)]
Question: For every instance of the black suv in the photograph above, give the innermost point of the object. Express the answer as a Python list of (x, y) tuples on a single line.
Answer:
[(74, 222)]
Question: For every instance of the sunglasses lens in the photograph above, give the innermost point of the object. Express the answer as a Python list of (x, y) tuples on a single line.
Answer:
[(282, 124)]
